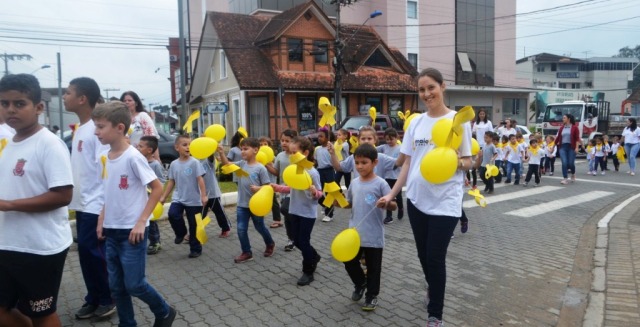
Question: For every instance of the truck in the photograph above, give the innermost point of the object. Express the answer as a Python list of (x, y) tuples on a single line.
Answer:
[(354, 123)]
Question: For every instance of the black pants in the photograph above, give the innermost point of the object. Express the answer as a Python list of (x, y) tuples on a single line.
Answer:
[(347, 178), (474, 175), (549, 163), (488, 182), (599, 161), (327, 175), (616, 163), (301, 228), (218, 211), (464, 218), (533, 170), (275, 209), (498, 178), (373, 258), (391, 183), (432, 235)]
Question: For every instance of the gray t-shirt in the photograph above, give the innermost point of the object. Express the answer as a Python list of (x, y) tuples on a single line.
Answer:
[(385, 164), (323, 158), (302, 202), (281, 162), (363, 197), (185, 175), (566, 134), (233, 156), (487, 153), (157, 168), (210, 179), (392, 152), (258, 175)]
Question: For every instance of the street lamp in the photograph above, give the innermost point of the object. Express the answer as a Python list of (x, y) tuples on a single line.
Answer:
[(43, 67)]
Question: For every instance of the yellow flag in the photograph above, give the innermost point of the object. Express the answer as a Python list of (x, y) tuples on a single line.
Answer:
[(334, 193), (201, 223), (3, 144), (188, 125), (338, 148)]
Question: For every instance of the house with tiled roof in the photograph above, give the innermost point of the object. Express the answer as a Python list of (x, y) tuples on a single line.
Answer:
[(268, 72)]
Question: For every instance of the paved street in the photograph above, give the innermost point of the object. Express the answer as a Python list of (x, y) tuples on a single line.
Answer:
[(514, 267)]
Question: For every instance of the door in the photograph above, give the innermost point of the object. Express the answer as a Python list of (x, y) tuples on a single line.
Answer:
[(258, 117)]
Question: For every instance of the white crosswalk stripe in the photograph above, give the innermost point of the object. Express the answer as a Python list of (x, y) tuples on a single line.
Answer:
[(512, 195), (558, 204)]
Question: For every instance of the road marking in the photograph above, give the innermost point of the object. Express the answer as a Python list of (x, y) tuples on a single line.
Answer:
[(604, 222), (558, 204), (512, 195), (594, 181)]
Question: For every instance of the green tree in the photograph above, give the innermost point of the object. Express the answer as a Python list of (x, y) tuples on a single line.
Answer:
[(628, 52)]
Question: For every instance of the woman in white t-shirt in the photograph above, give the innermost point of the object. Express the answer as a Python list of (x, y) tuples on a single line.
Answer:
[(509, 128), (481, 126), (141, 123), (434, 209), (631, 139)]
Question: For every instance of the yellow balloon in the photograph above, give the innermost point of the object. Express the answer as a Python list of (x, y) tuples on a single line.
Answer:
[(439, 165), (345, 246), (203, 147), (261, 157), (408, 119), (475, 147), (216, 132), (441, 131), (295, 180), (261, 202), (157, 211), (268, 151)]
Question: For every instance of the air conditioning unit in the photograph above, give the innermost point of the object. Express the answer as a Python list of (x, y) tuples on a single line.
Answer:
[(173, 58)]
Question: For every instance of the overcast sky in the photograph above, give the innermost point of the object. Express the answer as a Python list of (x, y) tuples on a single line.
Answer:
[(37, 28)]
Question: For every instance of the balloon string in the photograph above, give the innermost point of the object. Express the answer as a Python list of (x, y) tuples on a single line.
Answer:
[(365, 217)]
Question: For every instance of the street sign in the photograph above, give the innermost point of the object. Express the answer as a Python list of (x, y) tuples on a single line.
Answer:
[(216, 108)]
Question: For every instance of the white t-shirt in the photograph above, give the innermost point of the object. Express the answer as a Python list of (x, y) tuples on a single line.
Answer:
[(434, 199), (614, 148), (125, 189), (534, 159), (142, 125), (85, 162), (30, 168), (514, 156), (631, 137), (508, 131), (480, 129), (6, 132)]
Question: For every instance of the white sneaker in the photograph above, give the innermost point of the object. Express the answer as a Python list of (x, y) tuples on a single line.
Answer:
[(602, 173), (326, 219), (633, 173)]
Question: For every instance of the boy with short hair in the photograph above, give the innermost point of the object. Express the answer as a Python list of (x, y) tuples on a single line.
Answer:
[(488, 155), (534, 154), (247, 185), (614, 152), (147, 146), (80, 98), (514, 153), (363, 193), (185, 173), (35, 234), (125, 216), (214, 195), (392, 149)]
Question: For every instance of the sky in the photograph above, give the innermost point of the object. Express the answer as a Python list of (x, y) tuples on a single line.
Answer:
[(37, 27)]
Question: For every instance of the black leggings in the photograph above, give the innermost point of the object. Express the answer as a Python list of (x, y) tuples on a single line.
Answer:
[(327, 175), (218, 211)]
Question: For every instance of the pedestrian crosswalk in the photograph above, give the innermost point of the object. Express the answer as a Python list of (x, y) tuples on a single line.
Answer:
[(512, 195), (543, 208)]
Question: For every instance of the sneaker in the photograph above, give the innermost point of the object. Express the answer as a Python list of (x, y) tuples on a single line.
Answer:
[(525, 184), (464, 227), (327, 219), (536, 184), (269, 250), (154, 249), (400, 213), (104, 311), (435, 322), (225, 234), (289, 246), (633, 173), (194, 254), (516, 183), (244, 257), (358, 292), (178, 240), (602, 173), (370, 304), (388, 220), (507, 181), (166, 321), (87, 311), (305, 279), (564, 182), (573, 178), (551, 174)]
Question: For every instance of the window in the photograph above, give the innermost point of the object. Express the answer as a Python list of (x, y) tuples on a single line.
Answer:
[(320, 51), (575, 85), (223, 65), (562, 85), (413, 59), (540, 68), (212, 76), (412, 9), (295, 49), (377, 59), (373, 102), (588, 84), (554, 67), (395, 105)]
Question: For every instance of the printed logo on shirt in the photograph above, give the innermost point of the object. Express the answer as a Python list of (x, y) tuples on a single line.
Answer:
[(19, 169), (370, 199), (124, 182), (80, 146), (420, 142), (41, 305), (188, 171)]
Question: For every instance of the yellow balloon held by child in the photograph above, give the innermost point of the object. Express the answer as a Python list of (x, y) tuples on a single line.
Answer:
[(294, 180), (203, 147), (345, 246), (261, 202), (268, 151), (216, 132), (439, 165), (157, 211), (261, 157), (475, 147)]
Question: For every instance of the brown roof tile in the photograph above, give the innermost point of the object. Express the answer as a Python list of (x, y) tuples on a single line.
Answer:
[(278, 23)]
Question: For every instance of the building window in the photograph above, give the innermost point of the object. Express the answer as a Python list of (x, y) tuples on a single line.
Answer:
[(575, 85), (371, 102), (320, 51), (395, 106), (295, 49), (588, 84), (475, 42), (554, 67), (562, 85), (413, 59), (212, 76), (223, 65), (540, 68), (412, 9)]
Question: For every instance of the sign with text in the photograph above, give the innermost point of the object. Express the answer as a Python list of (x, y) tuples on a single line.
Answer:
[(567, 75), (216, 108)]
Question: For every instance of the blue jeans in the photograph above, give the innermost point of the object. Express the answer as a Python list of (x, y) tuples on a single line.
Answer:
[(632, 151), (301, 228), (568, 157), (126, 264), (177, 223), (510, 167), (93, 265), (154, 233), (244, 214)]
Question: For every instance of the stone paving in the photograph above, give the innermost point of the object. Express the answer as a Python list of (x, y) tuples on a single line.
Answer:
[(505, 271)]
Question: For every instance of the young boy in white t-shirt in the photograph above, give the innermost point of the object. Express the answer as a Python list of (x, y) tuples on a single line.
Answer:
[(124, 219), (514, 153), (35, 234)]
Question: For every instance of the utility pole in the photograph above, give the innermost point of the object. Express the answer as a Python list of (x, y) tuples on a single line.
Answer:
[(60, 97), (182, 111), (337, 85), (107, 90), (12, 56)]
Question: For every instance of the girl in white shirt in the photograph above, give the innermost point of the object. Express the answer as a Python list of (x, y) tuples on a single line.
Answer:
[(481, 126)]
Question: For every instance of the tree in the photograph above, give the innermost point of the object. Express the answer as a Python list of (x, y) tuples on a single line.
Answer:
[(627, 52)]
